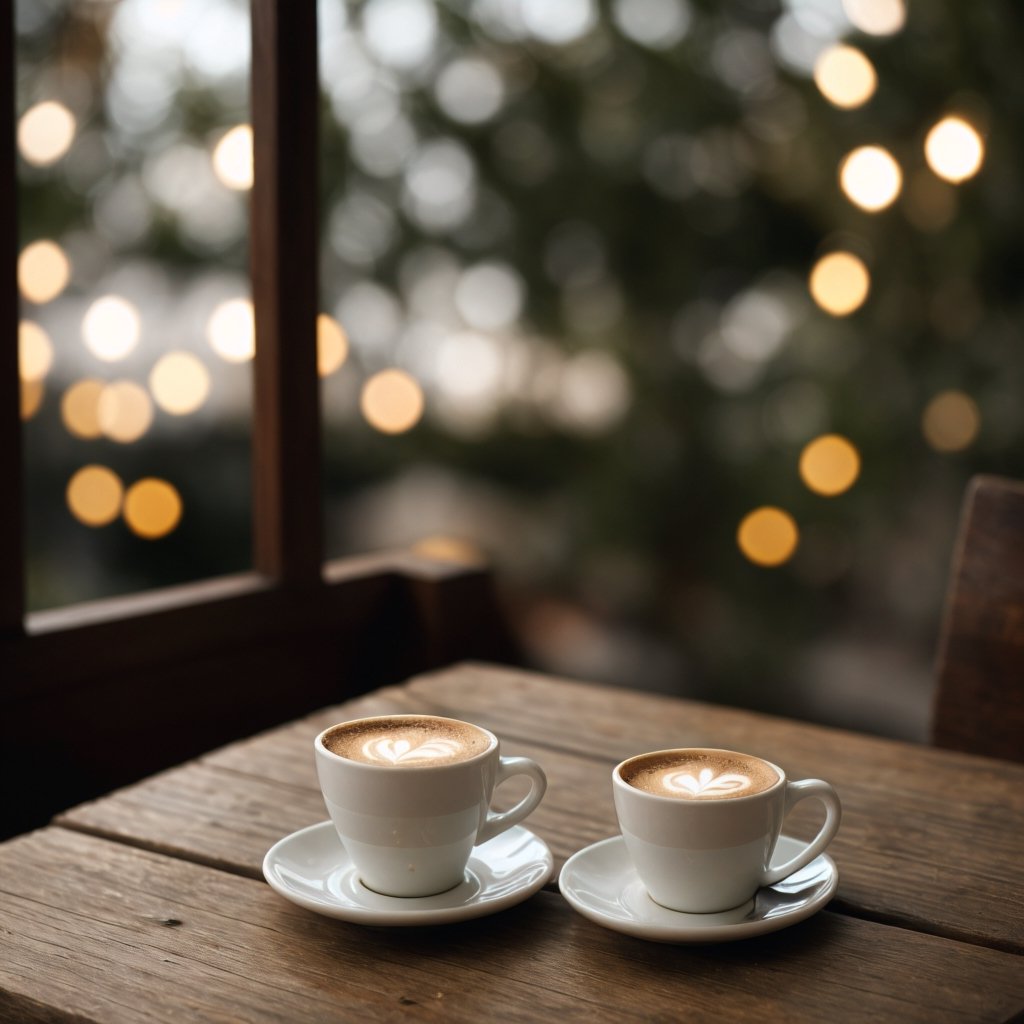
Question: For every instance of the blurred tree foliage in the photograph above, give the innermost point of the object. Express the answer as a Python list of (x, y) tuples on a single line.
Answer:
[(660, 200)]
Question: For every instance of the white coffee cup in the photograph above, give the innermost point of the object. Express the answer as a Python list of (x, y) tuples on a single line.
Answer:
[(409, 828), (705, 855)]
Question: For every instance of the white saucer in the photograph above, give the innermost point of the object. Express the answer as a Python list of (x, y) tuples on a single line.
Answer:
[(311, 868), (601, 883)]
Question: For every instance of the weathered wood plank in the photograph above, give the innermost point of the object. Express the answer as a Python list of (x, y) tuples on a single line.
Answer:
[(979, 700), (930, 840), (283, 219), (97, 931), (227, 808), (212, 815)]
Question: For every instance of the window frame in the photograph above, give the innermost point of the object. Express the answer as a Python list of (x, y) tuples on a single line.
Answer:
[(125, 686)]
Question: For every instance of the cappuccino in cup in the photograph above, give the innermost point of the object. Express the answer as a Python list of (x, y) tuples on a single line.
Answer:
[(410, 795), (700, 775), (416, 742), (700, 824)]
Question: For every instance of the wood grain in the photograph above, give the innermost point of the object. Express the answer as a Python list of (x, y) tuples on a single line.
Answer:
[(284, 257), (229, 819), (930, 840), (164, 677), (979, 701), (96, 931)]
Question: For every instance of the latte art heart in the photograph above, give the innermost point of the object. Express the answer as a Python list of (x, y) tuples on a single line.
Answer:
[(407, 741), (397, 751), (705, 783)]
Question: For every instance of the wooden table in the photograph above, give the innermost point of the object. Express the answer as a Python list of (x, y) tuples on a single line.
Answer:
[(149, 904)]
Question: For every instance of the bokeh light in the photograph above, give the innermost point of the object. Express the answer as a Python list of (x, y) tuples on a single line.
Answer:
[(79, 408), (232, 158), (392, 401), (558, 24), (845, 77), (94, 495), (111, 328), (231, 331), (331, 345), (469, 376), (45, 133), (443, 548), (31, 398), (179, 382), (876, 17), (490, 296), (124, 411), (594, 393), (152, 508), (657, 24), (470, 90), (35, 351), (839, 283), (951, 421), (954, 150), (768, 536), (829, 465), (871, 178), (400, 33), (440, 185), (43, 271)]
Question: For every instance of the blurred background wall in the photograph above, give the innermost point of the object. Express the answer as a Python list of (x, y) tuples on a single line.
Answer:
[(693, 319)]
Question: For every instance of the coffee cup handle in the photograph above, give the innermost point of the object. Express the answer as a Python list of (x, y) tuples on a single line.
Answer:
[(496, 823), (795, 792)]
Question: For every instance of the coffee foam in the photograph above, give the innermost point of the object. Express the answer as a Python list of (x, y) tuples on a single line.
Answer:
[(416, 742), (700, 775)]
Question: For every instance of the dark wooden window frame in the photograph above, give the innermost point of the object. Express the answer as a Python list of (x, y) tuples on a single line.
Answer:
[(96, 695)]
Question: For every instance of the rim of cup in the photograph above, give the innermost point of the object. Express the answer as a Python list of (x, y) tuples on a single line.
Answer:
[(321, 748), (618, 780)]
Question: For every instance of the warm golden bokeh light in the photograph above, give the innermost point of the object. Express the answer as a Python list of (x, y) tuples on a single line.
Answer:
[(35, 351), (954, 150), (180, 383), (31, 398), (94, 495), (870, 178), (951, 421), (845, 77), (768, 536), (152, 508), (111, 328), (79, 408), (839, 283), (449, 549), (232, 158), (331, 345), (231, 331), (45, 133), (876, 17), (124, 411), (829, 465), (392, 401), (43, 271)]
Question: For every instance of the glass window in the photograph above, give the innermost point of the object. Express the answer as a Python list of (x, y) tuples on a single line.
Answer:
[(693, 319), (136, 325)]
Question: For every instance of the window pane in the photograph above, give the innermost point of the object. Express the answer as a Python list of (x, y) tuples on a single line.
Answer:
[(693, 318), (136, 330)]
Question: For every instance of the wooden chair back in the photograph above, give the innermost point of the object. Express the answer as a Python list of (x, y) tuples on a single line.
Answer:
[(979, 701)]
